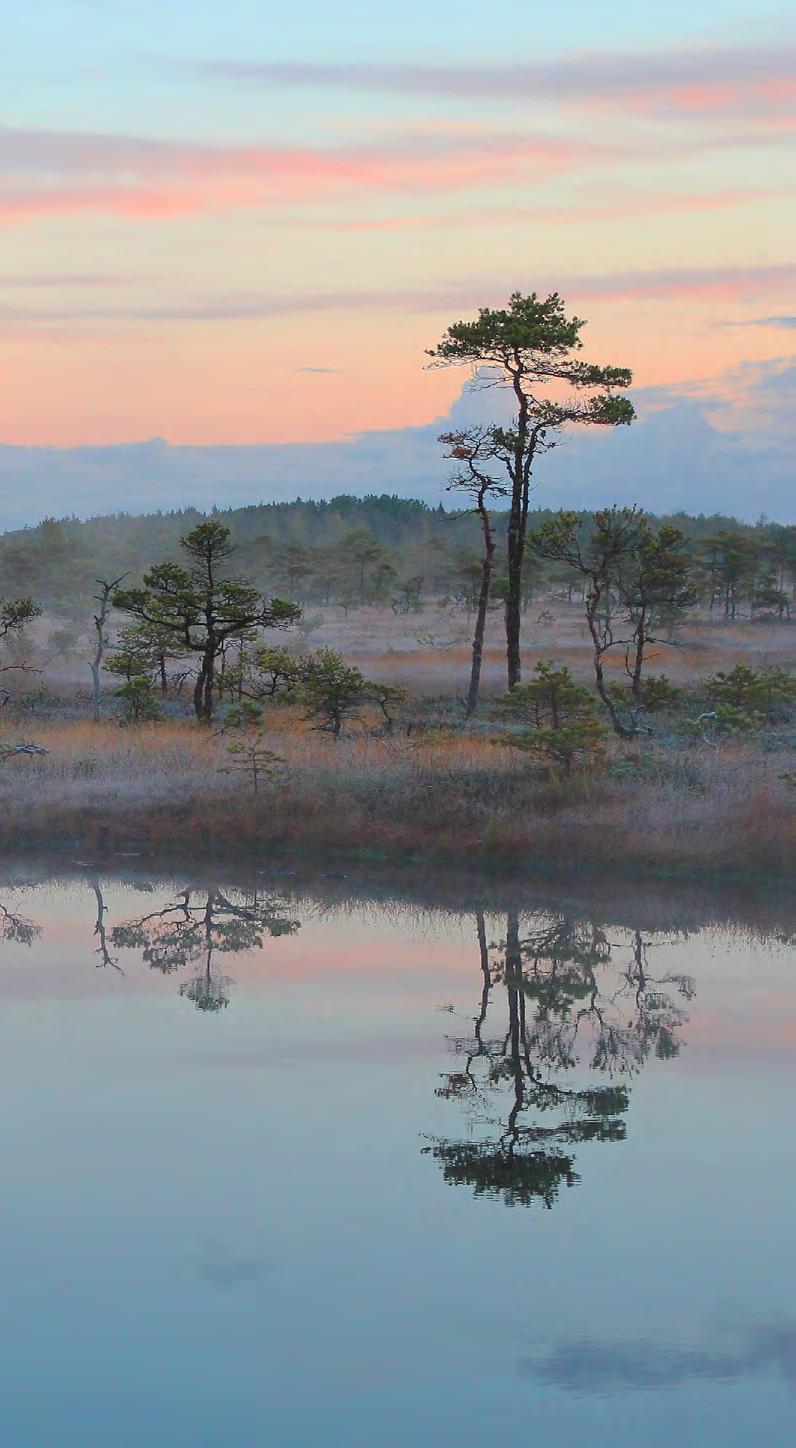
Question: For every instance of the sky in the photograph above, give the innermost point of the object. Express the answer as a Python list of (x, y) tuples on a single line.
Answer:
[(243, 224)]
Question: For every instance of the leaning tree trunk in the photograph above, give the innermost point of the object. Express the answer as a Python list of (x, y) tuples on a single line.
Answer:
[(100, 618), (204, 688), (480, 618)]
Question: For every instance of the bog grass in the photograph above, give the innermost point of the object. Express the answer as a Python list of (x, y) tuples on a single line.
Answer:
[(163, 789), (448, 795)]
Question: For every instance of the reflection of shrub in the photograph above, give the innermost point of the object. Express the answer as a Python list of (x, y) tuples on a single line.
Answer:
[(557, 718)]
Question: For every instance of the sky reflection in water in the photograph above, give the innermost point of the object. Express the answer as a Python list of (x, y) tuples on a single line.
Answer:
[(280, 1172)]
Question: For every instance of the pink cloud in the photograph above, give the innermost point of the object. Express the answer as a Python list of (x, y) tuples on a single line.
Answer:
[(51, 173), (759, 100), (714, 283)]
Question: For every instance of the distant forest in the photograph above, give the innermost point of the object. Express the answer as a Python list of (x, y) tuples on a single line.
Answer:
[(385, 550)]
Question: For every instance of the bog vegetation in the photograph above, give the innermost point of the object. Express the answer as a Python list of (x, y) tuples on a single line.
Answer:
[(341, 661)]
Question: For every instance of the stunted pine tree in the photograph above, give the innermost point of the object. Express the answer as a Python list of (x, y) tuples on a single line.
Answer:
[(332, 691), (596, 558), (653, 584), (552, 718), (531, 347), (633, 577), (200, 608)]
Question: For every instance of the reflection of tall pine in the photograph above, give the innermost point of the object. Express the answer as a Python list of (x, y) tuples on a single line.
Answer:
[(558, 1018)]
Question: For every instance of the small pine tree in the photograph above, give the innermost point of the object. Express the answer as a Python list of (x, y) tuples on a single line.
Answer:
[(659, 695), (139, 705), (332, 690), (249, 755), (556, 715), (764, 692)]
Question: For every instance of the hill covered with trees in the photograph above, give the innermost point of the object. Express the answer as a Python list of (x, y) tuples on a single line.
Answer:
[(358, 551)]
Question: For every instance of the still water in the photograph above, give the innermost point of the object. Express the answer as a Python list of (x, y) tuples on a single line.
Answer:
[(287, 1168)]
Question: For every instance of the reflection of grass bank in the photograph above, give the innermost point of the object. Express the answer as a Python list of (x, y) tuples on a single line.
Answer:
[(159, 789), (309, 886)]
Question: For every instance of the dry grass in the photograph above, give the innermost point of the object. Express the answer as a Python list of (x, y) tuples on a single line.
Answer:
[(159, 790)]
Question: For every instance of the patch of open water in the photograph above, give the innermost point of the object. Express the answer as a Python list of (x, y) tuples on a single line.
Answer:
[(286, 1170)]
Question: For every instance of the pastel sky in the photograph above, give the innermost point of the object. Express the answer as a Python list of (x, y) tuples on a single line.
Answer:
[(244, 222)]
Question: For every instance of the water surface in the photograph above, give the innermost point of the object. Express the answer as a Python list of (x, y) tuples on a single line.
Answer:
[(287, 1168)]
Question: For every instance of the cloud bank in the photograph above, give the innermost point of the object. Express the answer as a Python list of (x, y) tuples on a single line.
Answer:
[(686, 452)]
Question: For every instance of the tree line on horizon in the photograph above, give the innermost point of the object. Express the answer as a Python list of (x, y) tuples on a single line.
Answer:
[(379, 551)]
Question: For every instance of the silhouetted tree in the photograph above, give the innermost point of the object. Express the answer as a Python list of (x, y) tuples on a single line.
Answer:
[(531, 346)]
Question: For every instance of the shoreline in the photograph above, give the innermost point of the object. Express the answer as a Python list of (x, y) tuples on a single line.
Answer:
[(133, 843)]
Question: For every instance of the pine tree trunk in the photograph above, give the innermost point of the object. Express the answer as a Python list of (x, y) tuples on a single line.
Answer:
[(480, 619)]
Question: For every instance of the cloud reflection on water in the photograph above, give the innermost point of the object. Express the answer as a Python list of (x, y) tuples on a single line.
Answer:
[(590, 1366)]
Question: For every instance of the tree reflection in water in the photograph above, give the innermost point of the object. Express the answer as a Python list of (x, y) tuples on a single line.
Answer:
[(569, 1007), (196, 926), (17, 929)]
